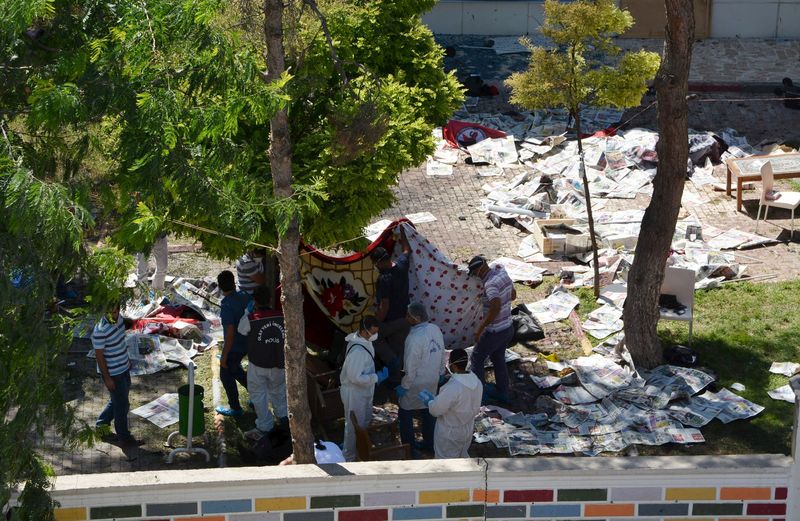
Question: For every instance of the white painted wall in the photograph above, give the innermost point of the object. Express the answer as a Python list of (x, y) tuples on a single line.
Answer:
[(729, 18)]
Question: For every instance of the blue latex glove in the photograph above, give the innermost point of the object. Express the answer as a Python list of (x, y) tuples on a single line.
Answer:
[(426, 396), (401, 391), (383, 374)]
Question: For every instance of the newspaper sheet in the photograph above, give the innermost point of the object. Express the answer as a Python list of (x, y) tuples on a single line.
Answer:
[(600, 376), (784, 368), (734, 407), (162, 412), (554, 308), (784, 393)]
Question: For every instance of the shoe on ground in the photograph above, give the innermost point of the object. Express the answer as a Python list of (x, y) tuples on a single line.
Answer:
[(490, 394), (254, 434), (229, 411), (130, 441)]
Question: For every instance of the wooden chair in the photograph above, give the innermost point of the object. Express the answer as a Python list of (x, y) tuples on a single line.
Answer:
[(366, 452), (787, 200), (324, 399), (680, 282)]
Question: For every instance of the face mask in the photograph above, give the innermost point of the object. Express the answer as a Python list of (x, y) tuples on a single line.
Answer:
[(373, 337)]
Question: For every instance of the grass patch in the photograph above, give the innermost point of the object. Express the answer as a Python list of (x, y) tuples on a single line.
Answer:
[(739, 330)]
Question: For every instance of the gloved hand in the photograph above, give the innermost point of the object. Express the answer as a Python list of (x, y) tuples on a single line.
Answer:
[(426, 396), (401, 391), (383, 374)]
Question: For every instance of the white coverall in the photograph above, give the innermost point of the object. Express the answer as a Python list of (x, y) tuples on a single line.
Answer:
[(423, 363), (160, 253), (455, 407), (358, 381)]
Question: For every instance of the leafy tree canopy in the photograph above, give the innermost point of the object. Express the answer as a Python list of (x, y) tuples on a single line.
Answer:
[(575, 71), (141, 113), (194, 131)]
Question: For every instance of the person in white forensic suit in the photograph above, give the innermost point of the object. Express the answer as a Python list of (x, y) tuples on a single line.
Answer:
[(160, 252), (423, 364), (455, 408), (358, 379)]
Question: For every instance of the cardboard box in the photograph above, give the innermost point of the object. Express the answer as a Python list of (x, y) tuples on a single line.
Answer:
[(563, 243)]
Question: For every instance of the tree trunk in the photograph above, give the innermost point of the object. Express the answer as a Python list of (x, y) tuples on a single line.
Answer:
[(586, 194), (658, 226), (280, 157)]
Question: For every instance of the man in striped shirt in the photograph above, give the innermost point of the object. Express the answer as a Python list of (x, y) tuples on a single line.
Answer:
[(108, 340), (496, 330), (250, 271)]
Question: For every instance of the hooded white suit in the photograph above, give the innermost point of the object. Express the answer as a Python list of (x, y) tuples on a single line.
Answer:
[(424, 359), (455, 408), (358, 381)]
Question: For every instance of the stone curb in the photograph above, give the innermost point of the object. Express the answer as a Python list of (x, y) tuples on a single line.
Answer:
[(743, 87)]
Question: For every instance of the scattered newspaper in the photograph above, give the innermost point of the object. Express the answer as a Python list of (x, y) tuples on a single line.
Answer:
[(734, 406), (162, 412), (784, 393), (784, 368), (554, 308), (600, 376)]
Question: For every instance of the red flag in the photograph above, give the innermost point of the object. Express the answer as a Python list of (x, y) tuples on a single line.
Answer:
[(463, 133)]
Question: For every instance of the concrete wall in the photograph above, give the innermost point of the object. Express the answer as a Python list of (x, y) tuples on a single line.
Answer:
[(709, 488), (729, 18), (755, 19), (511, 18)]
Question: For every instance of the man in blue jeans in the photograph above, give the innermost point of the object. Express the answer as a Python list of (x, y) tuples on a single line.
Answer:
[(111, 353), (234, 306), (496, 330)]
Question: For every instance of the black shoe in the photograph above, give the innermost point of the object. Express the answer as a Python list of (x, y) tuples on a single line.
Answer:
[(130, 441)]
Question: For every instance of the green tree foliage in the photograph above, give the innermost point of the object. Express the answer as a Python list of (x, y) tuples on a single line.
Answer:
[(48, 100), (194, 120), (142, 113), (576, 71)]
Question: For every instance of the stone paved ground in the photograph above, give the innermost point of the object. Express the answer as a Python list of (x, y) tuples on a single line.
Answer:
[(724, 60), (462, 229)]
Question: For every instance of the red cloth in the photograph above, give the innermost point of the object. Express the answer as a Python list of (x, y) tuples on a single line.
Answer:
[(606, 132), (463, 133)]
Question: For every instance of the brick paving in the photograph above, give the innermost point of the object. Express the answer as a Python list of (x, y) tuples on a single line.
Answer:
[(462, 230), (722, 60)]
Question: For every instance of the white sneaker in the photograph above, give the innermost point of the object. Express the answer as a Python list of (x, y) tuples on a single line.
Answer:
[(254, 434)]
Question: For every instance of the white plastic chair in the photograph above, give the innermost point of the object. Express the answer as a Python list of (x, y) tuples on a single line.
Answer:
[(680, 282), (787, 200)]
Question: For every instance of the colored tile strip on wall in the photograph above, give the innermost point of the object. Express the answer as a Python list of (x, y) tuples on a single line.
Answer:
[(115, 512), (336, 501), (488, 496), (428, 497), (727, 493), (689, 503), (413, 513), (527, 496), (677, 494), (71, 514), (280, 503), (380, 514), (583, 494)]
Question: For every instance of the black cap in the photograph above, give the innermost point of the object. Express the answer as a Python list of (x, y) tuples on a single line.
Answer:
[(475, 263), (379, 254)]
